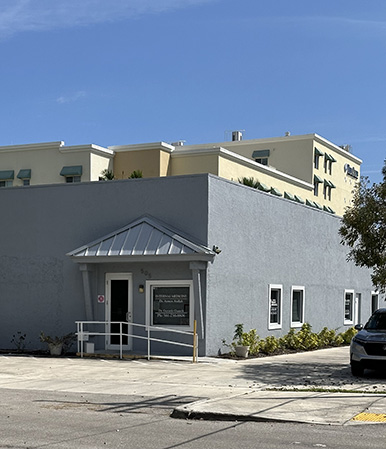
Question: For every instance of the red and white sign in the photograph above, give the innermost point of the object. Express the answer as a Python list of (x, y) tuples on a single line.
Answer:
[(101, 299)]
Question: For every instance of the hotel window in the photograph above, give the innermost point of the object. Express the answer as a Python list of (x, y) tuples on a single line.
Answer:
[(317, 154), (328, 186), (262, 160), (316, 161), (327, 192), (72, 173), (275, 306), (328, 161), (170, 304), (317, 180), (297, 306), (6, 178), (25, 176), (261, 156), (8, 183), (374, 301), (72, 178), (349, 307)]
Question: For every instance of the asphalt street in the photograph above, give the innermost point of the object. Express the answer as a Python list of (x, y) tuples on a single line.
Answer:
[(74, 402)]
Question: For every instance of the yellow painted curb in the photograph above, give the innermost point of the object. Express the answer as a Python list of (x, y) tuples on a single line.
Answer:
[(370, 417)]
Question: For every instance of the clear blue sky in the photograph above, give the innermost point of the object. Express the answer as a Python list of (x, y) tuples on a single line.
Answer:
[(114, 72)]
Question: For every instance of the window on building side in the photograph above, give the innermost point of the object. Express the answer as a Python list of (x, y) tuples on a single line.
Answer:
[(72, 173), (316, 161), (328, 161), (374, 302), (349, 307), (327, 192), (72, 178), (275, 306), (8, 183), (262, 160), (297, 306), (317, 155), (316, 188)]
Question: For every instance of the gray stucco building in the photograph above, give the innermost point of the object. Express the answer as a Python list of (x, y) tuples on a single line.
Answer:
[(165, 251)]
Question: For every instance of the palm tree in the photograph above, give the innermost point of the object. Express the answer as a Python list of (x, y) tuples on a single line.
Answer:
[(136, 174), (250, 182), (107, 175)]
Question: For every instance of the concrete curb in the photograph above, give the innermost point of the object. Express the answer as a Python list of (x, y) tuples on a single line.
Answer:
[(323, 408)]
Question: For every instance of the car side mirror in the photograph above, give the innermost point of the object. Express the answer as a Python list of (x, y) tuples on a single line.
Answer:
[(358, 327)]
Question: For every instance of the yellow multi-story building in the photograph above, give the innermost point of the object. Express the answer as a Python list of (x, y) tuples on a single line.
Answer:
[(307, 169), (52, 162)]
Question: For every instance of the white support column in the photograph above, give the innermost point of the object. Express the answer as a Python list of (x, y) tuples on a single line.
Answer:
[(85, 269), (196, 267)]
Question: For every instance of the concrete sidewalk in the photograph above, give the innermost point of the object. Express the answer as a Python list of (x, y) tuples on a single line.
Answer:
[(216, 388), (286, 406)]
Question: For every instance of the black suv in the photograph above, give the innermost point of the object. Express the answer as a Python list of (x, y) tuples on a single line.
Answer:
[(368, 347)]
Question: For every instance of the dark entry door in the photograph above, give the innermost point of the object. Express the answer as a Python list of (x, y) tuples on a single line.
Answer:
[(119, 308)]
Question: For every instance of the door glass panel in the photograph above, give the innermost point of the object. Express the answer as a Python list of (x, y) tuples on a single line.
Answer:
[(119, 308)]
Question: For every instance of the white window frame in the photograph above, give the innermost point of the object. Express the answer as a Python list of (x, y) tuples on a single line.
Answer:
[(374, 293), (352, 293), (293, 289), (150, 284), (278, 325)]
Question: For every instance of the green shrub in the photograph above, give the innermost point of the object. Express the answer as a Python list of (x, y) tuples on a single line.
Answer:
[(302, 340), (308, 340), (290, 340), (252, 340), (326, 337), (270, 345), (348, 335), (339, 340)]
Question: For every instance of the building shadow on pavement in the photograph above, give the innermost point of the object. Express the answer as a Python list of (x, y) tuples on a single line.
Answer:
[(308, 375)]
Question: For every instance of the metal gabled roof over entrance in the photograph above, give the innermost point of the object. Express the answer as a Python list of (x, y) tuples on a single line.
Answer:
[(144, 239)]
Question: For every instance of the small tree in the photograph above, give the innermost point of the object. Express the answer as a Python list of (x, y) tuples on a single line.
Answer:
[(364, 229)]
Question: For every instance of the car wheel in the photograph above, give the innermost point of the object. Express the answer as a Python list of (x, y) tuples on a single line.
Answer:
[(357, 369)]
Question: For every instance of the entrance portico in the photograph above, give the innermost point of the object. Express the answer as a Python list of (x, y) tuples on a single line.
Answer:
[(146, 273)]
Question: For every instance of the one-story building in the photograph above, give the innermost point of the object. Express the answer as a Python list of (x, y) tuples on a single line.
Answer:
[(167, 251)]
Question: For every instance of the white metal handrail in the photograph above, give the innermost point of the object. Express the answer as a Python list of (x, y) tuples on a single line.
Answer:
[(81, 332)]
